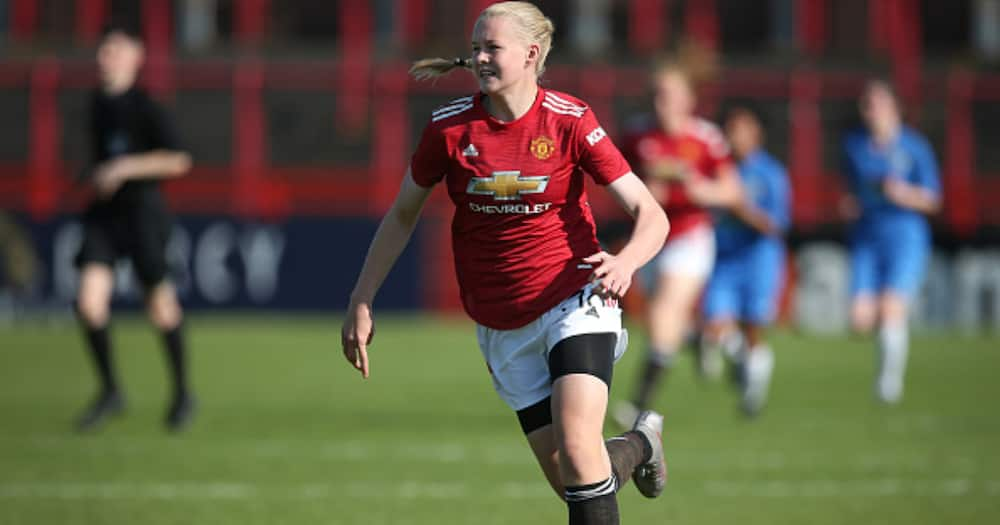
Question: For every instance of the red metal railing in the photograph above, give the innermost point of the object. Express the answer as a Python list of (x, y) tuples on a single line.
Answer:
[(250, 186)]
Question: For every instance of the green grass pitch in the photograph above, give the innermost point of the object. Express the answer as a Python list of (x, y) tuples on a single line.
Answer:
[(287, 433)]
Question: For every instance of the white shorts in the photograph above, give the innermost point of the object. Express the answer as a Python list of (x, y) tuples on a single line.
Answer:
[(691, 254), (518, 359)]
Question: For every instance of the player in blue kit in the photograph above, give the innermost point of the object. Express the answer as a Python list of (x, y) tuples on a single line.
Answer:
[(893, 176), (742, 294)]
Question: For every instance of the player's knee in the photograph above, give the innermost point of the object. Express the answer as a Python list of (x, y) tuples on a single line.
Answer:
[(892, 309), (716, 330), (164, 311), (863, 318), (862, 325), (92, 311), (580, 455)]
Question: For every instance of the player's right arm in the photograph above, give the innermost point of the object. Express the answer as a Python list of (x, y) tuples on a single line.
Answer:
[(390, 239)]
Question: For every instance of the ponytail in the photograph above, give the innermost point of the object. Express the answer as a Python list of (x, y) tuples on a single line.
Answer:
[(532, 27), (432, 68)]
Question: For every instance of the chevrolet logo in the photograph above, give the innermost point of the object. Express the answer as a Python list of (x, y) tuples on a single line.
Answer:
[(507, 185)]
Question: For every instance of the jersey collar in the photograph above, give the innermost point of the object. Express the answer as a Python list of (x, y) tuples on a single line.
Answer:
[(496, 124)]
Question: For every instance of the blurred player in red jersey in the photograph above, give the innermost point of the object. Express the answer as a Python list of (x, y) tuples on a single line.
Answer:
[(512, 157), (686, 163)]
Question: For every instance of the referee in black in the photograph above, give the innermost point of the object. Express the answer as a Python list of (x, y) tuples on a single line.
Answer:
[(134, 146)]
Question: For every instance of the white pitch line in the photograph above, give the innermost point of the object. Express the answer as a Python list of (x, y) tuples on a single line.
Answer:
[(224, 490), (830, 488), (412, 490), (496, 453)]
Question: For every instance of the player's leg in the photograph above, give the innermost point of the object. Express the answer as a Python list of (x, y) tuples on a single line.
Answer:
[(905, 264), (627, 451), (165, 313), (721, 337), (761, 287), (684, 266), (519, 371), (93, 307), (758, 368), (590, 469), (579, 402), (669, 319), (864, 287)]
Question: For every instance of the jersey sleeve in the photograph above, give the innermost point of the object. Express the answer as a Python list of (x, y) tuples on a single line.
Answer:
[(596, 153), (926, 166), (779, 202), (430, 160), (719, 154)]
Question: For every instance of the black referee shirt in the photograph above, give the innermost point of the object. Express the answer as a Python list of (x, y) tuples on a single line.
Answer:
[(124, 124)]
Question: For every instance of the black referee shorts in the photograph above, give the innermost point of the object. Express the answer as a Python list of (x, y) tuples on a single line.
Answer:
[(140, 237)]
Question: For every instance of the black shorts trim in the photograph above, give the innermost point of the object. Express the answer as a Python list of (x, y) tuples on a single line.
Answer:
[(592, 354), (536, 416)]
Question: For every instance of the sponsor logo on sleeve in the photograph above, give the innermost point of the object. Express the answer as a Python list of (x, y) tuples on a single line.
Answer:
[(595, 136)]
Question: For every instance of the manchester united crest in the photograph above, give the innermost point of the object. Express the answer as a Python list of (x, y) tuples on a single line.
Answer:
[(542, 147)]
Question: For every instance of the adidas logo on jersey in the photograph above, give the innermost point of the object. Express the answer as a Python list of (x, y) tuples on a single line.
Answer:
[(470, 151)]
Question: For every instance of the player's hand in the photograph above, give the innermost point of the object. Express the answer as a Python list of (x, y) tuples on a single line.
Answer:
[(108, 178), (614, 273), (848, 207), (897, 191), (699, 190), (667, 170), (356, 335)]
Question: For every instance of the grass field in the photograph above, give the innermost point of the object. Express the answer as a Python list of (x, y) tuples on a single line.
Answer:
[(287, 433)]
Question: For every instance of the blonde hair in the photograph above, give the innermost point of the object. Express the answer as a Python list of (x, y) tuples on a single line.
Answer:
[(692, 61), (530, 23), (666, 66)]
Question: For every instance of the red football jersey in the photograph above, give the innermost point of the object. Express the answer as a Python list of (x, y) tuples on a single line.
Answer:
[(697, 152), (522, 224)]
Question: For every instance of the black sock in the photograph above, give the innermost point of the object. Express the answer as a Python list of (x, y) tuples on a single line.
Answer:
[(657, 364), (100, 353), (627, 451), (173, 341), (593, 504)]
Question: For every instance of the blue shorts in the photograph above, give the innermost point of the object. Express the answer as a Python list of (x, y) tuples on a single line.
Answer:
[(745, 284), (889, 261)]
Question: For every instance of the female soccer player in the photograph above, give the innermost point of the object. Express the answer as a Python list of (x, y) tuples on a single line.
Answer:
[(134, 146), (532, 275), (686, 164), (892, 174), (749, 269)]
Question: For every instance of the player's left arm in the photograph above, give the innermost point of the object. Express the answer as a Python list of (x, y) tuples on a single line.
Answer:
[(599, 157), (722, 191), (773, 217), (166, 159), (159, 164), (924, 195), (648, 234)]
